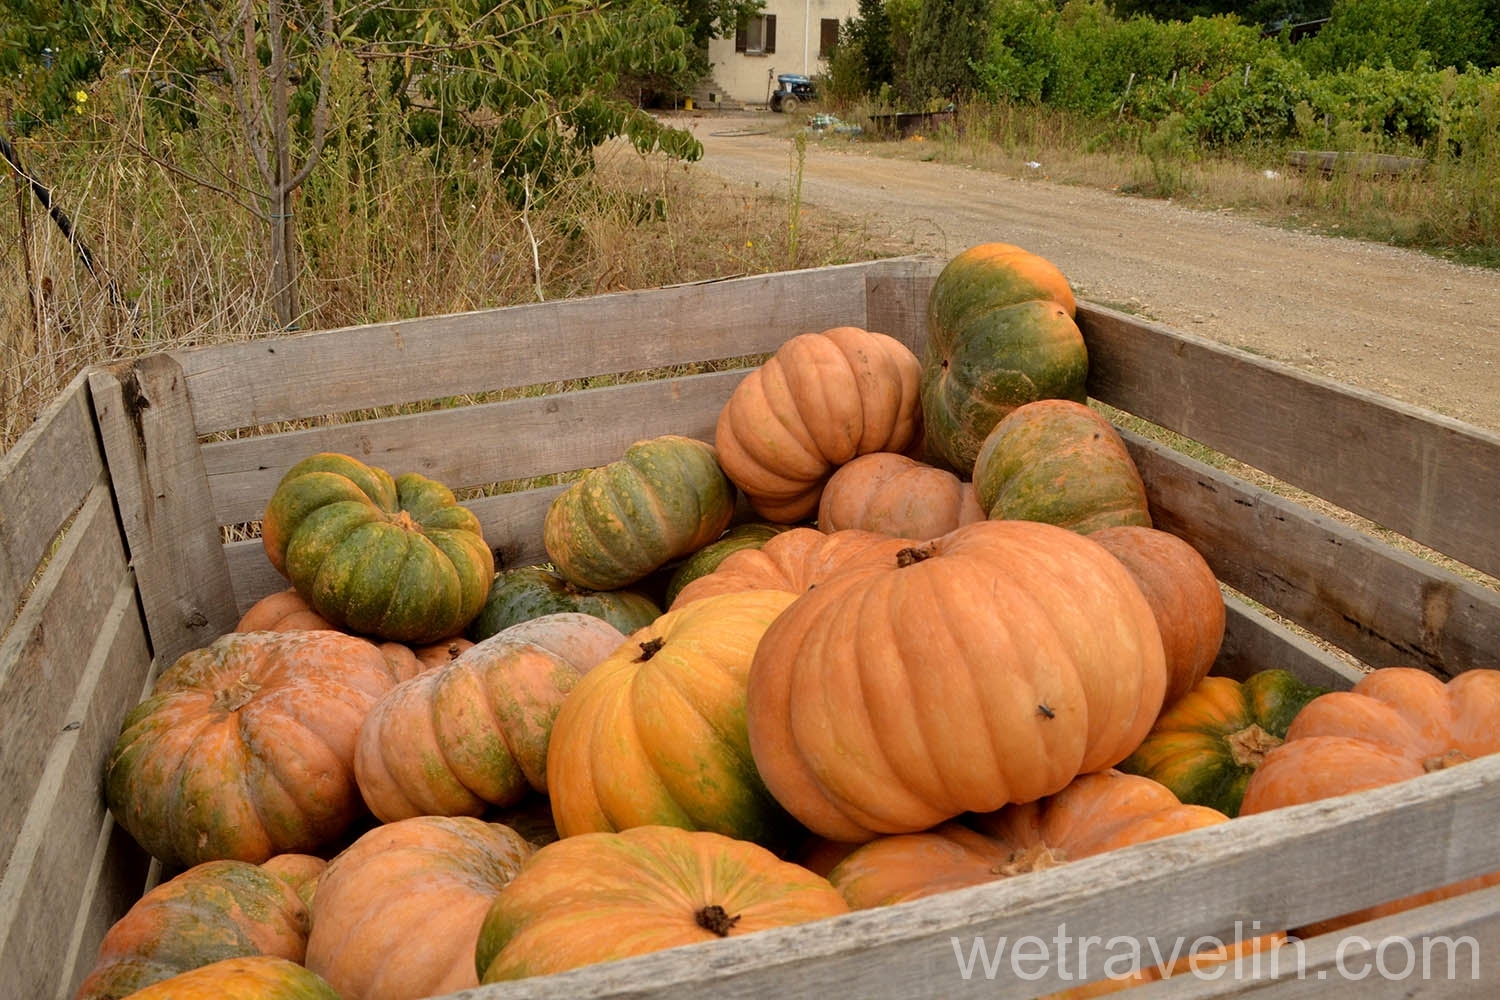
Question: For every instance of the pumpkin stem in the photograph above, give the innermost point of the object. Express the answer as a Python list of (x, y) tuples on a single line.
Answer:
[(649, 648), (913, 555), (1445, 760), (1035, 858), (714, 918), (403, 521), (235, 696), (1249, 746)]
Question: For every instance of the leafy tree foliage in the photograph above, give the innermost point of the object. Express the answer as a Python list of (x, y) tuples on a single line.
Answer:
[(950, 41)]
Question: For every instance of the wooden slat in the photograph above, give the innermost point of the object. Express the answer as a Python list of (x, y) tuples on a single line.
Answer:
[(338, 371), (1384, 606), (515, 439), (1283, 869), (117, 877), (1423, 475), (44, 656), (47, 875), (43, 480), (146, 425), (897, 300), (1253, 642)]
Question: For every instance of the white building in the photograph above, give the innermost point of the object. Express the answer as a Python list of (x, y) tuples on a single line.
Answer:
[(791, 36)]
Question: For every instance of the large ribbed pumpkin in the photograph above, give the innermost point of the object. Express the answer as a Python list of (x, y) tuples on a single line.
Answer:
[(1000, 333), (899, 496), (396, 558), (820, 401), (989, 666), (598, 897), (245, 747), (474, 733), (1061, 462), (666, 497), (397, 914), (260, 977), (655, 734), (1396, 723), (212, 911), (793, 561)]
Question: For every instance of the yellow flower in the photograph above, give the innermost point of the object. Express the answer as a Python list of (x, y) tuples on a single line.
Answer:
[(80, 96)]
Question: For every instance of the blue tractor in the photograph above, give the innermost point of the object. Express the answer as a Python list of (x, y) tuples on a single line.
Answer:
[(792, 90)]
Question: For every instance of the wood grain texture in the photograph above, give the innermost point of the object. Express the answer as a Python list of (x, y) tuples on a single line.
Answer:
[(1415, 472), (117, 876), (1254, 642), (1282, 868), (48, 874), (338, 371), (146, 424), (898, 300), (1382, 605), (44, 656), (43, 480)]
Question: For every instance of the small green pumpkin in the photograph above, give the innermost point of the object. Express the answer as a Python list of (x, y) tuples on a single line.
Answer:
[(742, 536), (395, 558), (665, 498), (526, 593)]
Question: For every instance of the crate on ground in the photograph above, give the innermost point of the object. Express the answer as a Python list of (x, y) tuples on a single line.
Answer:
[(126, 538)]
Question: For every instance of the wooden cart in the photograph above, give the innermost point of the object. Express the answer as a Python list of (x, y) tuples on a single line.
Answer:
[(116, 506)]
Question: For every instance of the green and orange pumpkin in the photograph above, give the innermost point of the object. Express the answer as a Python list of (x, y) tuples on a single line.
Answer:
[(528, 592)]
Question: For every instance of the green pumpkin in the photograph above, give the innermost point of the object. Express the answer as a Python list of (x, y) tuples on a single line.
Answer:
[(528, 592), (1210, 741), (665, 498), (1060, 462), (394, 558), (1000, 333), (742, 536)]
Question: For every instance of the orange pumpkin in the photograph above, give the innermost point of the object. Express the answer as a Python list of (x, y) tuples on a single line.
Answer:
[(213, 911), (655, 734), (892, 494), (989, 666), (300, 871), (820, 401), (793, 561), (648, 888), (397, 914), (474, 733), (245, 747), (1396, 723), (261, 977), (1183, 593)]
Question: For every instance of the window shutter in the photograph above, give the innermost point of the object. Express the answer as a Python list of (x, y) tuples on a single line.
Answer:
[(770, 33), (741, 38), (828, 30)]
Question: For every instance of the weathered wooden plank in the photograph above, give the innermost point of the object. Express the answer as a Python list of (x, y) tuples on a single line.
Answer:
[(43, 480), (1253, 642), (1327, 161), (898, 300), (116, 878), (1415, 472), (47, 876), (146, 424), (1282, 869), (515, 439), (44, 655), (1384, 606), (338, 371)]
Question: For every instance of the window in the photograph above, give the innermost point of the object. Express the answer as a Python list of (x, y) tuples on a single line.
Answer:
[(828, 37), (756, 36)]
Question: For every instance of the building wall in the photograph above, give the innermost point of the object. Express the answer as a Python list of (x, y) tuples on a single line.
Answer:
[(749, 77)]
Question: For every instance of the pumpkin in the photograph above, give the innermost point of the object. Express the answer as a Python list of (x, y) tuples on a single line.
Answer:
[(597, 897), (896, 495), (300, 871), (245, 747), (394, 558), (262, 977), (1094, 813), (820, 401), (666, 497), (989, 666), (1060, 462), (213, 911), (793, 561), (528, 592), (655, 734), (397, 914), (1396, 723), (751, 535), (1183, 593), (1208, 743), (474, 733), (1000, 333)]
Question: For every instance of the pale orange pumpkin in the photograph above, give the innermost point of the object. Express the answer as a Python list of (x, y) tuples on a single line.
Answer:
[(899, 496), (258, 977), (989, 666), (793, 561)]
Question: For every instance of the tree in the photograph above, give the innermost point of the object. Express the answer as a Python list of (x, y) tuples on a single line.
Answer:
[(871, 31), (951, 39)]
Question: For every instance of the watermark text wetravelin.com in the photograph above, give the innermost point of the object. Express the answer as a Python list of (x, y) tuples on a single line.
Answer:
[(1071, 958)]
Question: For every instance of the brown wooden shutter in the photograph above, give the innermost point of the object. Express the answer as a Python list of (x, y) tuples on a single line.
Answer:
[(770, 33), (741, 38), (828, 36)]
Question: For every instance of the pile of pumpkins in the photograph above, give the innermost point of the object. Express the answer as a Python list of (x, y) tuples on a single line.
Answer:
[(904, 626)]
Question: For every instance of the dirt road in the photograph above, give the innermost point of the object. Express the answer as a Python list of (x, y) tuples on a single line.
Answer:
[(1391, 321)]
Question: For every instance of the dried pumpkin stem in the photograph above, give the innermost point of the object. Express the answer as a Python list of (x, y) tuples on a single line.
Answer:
[(403, 520), (713, 917), (1033, 859), (1445, 760), (236, 695), (649, 648), (1249, 746), (913, 555)]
